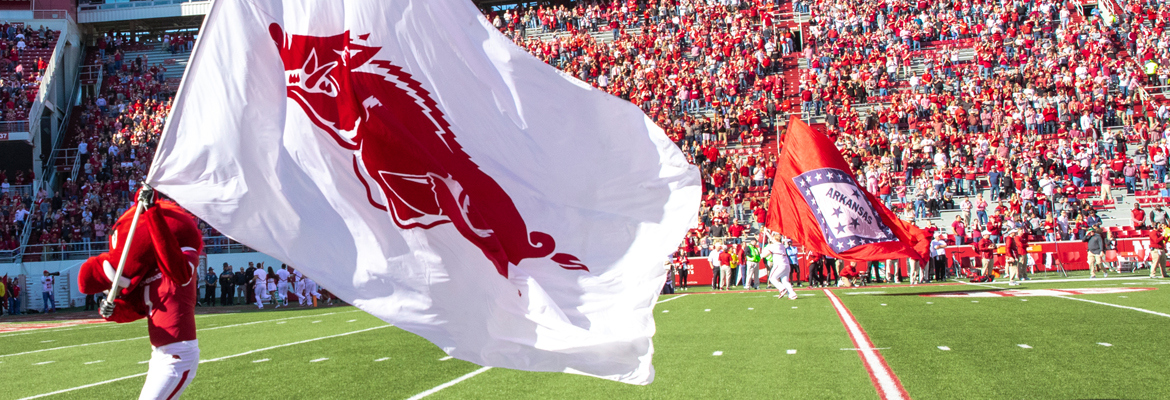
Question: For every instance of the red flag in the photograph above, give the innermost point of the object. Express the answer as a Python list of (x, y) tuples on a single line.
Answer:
[(817, 202)]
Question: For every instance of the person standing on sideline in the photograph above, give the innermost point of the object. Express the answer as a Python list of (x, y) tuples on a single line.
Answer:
[(779, 272), (684, 266), (1096, 248), (752, 271), (986, 250), (240, 281), (250, 275), (260, 285), (1016, 251), (938, 258), (713, 259), (794, 261), (13, 297), (724, 267), (282, 284), (50, 301), (227, 283), (210, 281), (1158, 251)]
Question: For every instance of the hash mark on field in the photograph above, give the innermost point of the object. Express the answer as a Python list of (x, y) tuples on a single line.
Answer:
[(717, 353), (48, 341), (1123, 297), (665, 311), (974, 301), (944, 348), (930, 302), (1023, 299), (382, 359), (707, 310), (144, 362), (792, 351), (318, 360), (446, 358), (94, 362), (260, 360), (793, 307), (883, 304), (1105, 344), (44, 362), (749, 308), (316, 321), (1024, 346), (352, 320)]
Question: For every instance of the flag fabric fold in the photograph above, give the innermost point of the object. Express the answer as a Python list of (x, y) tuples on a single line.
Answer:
[(416, 163), (817, 202)]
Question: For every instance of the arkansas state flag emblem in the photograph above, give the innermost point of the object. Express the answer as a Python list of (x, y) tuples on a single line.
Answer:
[(818, 203), (846, 217)]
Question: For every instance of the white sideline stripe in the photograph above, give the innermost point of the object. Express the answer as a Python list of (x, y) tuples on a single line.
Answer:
[(883, 375), (1095, 302), (63, 328), (1130, 278), (672, 298), (292, 344), (144, 337), (84, 386), (446, 358), (436, 389), (319, 359), (214, 359)]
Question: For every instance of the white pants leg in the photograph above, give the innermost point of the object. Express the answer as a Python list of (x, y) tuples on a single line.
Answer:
[(779, 278), (261, 292), (753, 275), (172, 368), (282, 292)]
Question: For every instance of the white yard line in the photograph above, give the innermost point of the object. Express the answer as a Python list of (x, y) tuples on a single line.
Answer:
[(1090, 301), (84, 386), (672, 298), (204, 361), (887, 384), (144, 337), (436, 389)]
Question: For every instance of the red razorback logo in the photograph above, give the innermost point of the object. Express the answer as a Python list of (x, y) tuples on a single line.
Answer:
[(404, 150)]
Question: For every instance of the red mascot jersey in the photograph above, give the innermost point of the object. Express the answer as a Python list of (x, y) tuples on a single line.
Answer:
[(159, 280)]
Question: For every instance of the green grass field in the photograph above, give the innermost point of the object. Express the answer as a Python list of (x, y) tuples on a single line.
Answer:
[(769, 348)]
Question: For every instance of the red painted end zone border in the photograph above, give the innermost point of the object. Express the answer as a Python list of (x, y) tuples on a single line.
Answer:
[(19, 327), (887, 384)]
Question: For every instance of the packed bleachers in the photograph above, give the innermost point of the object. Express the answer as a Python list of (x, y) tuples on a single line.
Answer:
[(115, 131), (1037, 107)]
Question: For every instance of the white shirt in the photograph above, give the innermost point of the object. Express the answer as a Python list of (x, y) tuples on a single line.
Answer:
[(261, 276), (778, 249), (938, 247), (713, 258), (47, 283), (283, 274)]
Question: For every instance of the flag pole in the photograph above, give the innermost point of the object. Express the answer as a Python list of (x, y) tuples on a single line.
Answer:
[(107, 307)]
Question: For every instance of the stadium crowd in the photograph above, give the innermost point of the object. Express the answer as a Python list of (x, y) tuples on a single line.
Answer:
[(1020, 115), (115, 133)]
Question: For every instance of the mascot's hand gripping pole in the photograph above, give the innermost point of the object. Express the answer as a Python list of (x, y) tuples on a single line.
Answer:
[(145, 200)]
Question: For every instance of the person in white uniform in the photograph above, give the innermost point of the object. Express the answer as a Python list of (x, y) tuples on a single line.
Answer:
[(260, 281), (282, 284), (779, 270)]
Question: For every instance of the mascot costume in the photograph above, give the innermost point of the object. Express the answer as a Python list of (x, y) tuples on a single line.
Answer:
[(158, 282)]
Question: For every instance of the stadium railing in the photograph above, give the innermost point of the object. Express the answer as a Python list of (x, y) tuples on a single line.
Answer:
[(84, 250), (13, 126), (116, 4)]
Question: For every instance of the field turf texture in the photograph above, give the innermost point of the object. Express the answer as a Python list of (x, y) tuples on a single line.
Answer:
[(709, 345)]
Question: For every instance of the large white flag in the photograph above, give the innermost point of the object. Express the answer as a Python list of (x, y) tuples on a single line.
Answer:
[(422, 167)]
